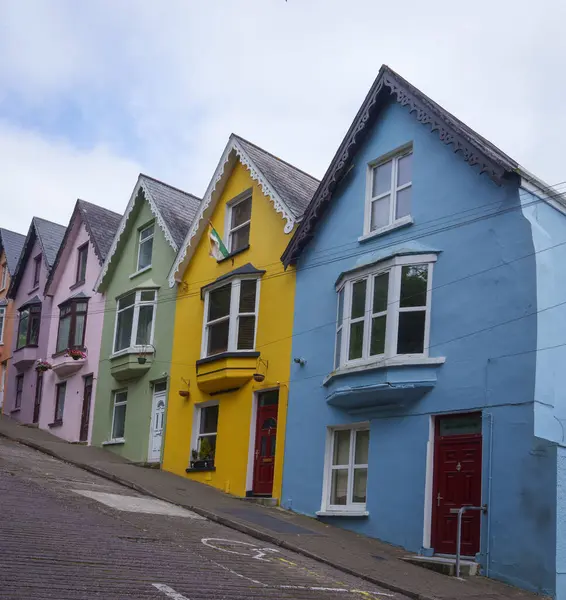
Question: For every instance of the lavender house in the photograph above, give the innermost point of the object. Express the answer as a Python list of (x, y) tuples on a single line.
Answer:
[(31, 327), (67, 401)]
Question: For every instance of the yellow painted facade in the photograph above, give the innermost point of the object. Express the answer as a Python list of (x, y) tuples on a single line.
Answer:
[(236, 432)]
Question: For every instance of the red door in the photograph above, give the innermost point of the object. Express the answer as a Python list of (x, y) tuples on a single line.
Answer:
[(38, 392), (266, 433), (85, 416), (457, 482)]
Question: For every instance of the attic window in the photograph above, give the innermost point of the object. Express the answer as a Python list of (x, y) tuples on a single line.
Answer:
[(82, 255), (36, 270), (238, 219), (4, 277), (145, 248)]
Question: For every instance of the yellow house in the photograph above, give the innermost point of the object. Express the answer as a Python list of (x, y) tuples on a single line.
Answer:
[(233, 325)]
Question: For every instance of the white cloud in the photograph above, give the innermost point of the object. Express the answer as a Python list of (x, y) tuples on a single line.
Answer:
[(165, 83)]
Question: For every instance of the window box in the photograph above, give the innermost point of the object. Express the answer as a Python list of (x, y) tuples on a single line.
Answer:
[(64, 366), (125, 364), (226, 371)]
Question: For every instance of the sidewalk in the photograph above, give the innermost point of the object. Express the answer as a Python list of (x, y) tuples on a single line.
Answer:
[(374, 561)]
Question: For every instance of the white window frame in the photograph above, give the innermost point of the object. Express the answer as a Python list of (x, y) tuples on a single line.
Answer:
[(114, 405), (4, 277), (228, 231), (140, 241), (356, 508), (232, 317), (394, 267), (133, 347), (2, 323), (197, 420), (394, 157)]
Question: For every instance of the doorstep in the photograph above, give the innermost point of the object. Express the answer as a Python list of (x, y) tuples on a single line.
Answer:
[(262, 500), (445, 565)]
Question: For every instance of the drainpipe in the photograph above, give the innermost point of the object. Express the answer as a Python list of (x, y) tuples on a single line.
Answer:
[(489, 481)]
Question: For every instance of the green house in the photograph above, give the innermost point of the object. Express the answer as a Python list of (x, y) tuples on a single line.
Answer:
[(139, 316)]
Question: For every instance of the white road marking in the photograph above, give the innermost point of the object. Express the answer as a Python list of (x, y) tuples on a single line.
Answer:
[(258, 553), (169, 592), (331, 589), (139, 504)]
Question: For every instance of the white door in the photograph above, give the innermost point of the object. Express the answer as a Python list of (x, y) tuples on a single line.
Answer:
[(157, 421)]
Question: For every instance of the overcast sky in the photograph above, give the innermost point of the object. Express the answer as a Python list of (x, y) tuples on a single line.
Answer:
[(94, 91)]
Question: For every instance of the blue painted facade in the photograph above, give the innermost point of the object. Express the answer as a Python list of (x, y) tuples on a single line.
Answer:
[(489, 283)]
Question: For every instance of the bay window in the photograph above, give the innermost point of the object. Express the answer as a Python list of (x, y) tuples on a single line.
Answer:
[(384, 311), (28, 326), (72, 325), (230, 317), (135, 317), (346, 469)]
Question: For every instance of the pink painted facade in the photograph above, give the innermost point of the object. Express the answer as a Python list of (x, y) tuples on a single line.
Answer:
[(63, 286), (22, 363)]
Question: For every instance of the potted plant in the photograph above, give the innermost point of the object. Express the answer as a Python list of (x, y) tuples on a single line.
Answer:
[(75, 353), (42, 365), (204, 458)]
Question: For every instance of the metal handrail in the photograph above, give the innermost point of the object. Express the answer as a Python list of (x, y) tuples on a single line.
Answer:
[(460, 512)]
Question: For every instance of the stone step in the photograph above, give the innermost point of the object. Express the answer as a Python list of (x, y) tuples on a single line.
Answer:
[(263, 500), (444, 565)]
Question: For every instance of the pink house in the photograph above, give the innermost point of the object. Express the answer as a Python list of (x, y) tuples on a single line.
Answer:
[(31, 327), (67, 402)]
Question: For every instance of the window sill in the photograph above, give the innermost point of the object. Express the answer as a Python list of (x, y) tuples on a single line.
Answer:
[(116, 442), (235, 253), (77, 284), (133, 350), (200, 470), (223, 355), (24, 347), (35, 288), (383, 363), (63, 352), (144, 270), (16, 410), (358, 514), (404, 222), (56, 423)]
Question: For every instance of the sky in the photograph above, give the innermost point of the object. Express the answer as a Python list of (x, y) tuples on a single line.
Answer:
[(92, 92)]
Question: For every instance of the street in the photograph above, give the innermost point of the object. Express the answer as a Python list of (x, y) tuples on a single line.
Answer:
[(65, 533)]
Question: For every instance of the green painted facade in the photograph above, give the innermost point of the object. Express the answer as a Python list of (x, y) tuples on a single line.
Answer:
[(139, 385)]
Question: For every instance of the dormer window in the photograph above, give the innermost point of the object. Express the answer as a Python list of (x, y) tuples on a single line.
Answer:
[(389, 189), (36, 270), (238, 219), (145, 247)]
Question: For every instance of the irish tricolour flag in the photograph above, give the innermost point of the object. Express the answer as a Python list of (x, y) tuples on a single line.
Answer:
[(217, 248)]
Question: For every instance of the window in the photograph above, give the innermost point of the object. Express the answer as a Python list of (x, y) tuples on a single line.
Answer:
[(239, 216), (2, 321), (145, 249), (36, 270), (389, 191), (82, 255), (4, 276), (28, 327), (134, 320), (207, 430), (347, 469), (60, 390), (72, 321), (231, 312), (19, 390), (119, 415), (384, 313)]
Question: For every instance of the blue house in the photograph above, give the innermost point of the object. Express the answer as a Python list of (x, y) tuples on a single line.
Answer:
[(430, 344)]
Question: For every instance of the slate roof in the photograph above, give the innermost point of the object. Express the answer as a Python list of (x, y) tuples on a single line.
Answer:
[(177, 208), (50, 235), (388, 87), (101, 225), (295, 187), (12, 243)]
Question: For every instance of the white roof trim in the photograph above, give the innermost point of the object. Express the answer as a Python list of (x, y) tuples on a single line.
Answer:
[(546, 192), (122, 227), (210, 199)]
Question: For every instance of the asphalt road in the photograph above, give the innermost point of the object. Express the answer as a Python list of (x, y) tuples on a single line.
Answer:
[(65, 533)]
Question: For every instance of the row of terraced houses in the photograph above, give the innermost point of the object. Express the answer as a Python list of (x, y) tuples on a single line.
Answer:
[(375, 349)]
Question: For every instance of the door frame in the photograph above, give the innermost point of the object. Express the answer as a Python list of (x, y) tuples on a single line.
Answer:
[(432, 475), (91, 404), (153, 406), (37, 397), (252, 436)]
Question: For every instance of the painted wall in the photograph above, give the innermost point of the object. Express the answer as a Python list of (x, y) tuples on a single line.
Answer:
[(274, 326), (26, 291), (138, 412), (65, 288), (6, 345), (484, 289)]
